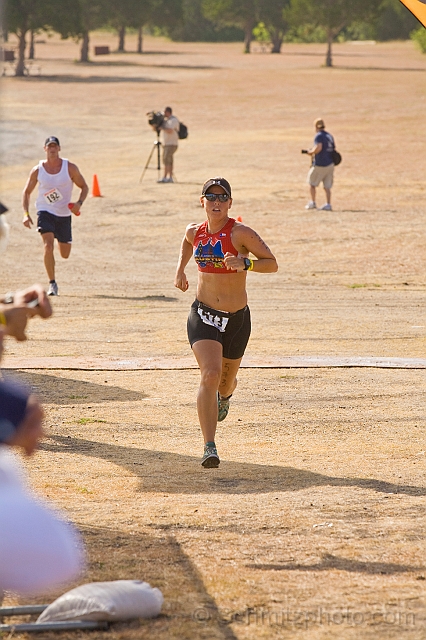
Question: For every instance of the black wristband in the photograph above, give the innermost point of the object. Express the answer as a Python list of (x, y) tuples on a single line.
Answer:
[(80, 202)]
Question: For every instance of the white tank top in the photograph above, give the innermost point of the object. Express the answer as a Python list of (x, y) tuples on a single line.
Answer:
[(54, 190)]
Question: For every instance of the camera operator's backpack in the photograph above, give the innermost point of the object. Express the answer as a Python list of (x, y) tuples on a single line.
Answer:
[(183, 131), (337, 158)]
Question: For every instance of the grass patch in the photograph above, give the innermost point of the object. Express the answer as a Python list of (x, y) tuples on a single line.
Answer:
[(362, 286)]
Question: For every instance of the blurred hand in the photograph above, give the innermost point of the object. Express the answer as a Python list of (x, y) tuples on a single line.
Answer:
[(35, 292), (16, 321), (30, 431)]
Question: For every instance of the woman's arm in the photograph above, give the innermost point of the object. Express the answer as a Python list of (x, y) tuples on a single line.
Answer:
[(246, 241), (181, 281)]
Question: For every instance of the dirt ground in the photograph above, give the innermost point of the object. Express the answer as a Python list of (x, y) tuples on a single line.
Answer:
[(313, 526)]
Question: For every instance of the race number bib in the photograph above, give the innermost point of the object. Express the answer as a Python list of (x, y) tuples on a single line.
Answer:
[(53, 196), (213, 319)]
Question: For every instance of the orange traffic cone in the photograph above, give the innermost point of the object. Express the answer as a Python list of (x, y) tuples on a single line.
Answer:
[(239, 219), (96, 192)]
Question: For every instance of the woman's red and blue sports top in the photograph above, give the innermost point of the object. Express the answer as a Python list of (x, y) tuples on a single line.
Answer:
[(210, 248)]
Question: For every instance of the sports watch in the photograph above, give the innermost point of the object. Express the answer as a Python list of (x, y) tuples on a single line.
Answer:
[(248, 264)]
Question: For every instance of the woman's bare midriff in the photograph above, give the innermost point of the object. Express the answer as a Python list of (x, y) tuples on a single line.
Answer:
[(223, 292)]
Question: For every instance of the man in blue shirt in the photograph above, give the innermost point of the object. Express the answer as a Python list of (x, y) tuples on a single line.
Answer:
[(322, 168)]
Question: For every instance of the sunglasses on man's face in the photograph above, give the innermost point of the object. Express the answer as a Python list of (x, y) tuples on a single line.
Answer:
[(211, 197)]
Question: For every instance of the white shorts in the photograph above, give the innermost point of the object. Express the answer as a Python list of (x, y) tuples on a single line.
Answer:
[(321, 174)]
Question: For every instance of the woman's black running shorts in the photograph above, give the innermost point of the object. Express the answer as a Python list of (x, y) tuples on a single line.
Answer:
[(232, 330)]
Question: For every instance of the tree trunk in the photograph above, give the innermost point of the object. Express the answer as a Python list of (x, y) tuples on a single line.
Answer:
[(328, 58), (20, 66), (121, 36), (277, 40), (31, 51), (140, 39), (248, 35), (84, 53)]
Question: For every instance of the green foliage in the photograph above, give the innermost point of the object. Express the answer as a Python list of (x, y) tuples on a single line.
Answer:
[(261, 33), (196, 27), (306, 33), (272, 13), (358, 30), (419, 37), (394, 22), (167, 15), (332, 15), (241, 13)]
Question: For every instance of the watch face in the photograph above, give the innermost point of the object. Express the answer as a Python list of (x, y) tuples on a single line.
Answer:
[(247, 263)]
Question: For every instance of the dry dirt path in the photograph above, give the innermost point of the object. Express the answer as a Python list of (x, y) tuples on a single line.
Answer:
[(313, 527)]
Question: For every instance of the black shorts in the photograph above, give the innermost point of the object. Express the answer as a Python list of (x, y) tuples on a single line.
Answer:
[(232, 330), (58, 225)]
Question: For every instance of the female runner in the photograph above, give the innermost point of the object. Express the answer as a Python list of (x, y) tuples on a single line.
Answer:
[(219, 319)]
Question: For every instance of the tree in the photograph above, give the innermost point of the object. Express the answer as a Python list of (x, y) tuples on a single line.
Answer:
[(242, 13), (23, 16), (92, 15), (167, 15), (82, 17), (272, 14), (131, 13), (332, 15), (395, 21)]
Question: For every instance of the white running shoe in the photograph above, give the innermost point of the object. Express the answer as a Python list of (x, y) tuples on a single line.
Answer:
[(326, 207), (53, 289), (311, 205), (163, 180), (168, 180)]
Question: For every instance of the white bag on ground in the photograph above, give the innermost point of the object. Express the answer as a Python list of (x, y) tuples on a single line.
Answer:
[(117, 600)]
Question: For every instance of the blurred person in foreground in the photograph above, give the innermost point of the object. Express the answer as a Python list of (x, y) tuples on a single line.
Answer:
[(322, 169), (38, 549), (55, 177), (219, 321)]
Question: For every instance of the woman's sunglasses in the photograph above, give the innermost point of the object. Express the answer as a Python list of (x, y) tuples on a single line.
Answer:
[(211, 197)]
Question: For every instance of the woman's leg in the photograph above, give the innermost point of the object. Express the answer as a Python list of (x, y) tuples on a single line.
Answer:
[(228, 379), (209, 357)]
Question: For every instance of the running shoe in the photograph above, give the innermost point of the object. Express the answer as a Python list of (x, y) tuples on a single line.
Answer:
[(326, 207), (311, 205), (53, 289), (210, 458), (222, 407)]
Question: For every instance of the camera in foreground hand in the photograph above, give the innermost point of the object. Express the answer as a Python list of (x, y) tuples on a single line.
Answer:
[(304, 151), (155, 119)]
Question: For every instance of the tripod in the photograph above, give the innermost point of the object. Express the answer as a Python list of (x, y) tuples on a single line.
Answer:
[(157, 144)]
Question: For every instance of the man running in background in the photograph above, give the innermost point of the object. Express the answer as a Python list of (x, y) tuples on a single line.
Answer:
[(56, 177)]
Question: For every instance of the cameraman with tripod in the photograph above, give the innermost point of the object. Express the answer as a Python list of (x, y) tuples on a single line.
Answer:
[(169, 128)]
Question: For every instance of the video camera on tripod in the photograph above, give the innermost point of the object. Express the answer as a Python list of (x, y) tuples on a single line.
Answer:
[(156, 119)]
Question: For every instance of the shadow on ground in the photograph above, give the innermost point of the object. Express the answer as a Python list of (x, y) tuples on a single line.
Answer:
[(341, 564), (165, 472), (159, 560), (156, 298), (64, 391), (91, 79)]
